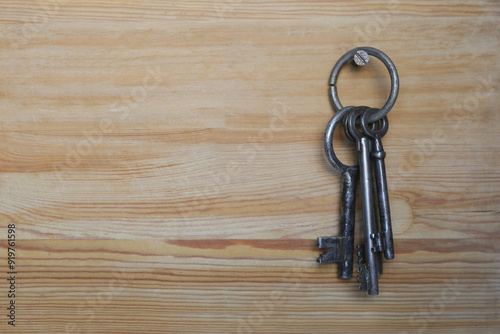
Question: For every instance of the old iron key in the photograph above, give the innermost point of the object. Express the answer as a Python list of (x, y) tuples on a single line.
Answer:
[(361, 111), (341, 247), (368, 273), (383, 240)]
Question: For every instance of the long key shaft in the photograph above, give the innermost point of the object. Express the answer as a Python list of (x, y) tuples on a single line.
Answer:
[(348, 210), (370, 270), (378, 156), (341, 248), (385, 239)]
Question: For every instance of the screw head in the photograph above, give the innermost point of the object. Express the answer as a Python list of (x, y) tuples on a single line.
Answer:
[(361, 58)]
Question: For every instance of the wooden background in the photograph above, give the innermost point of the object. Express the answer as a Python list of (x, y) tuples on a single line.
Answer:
[(164, 167)]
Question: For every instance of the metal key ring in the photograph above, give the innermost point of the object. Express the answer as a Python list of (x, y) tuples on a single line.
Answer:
[(330, 129), (372, 131), (348, 56), (352, 121), (346, 124)]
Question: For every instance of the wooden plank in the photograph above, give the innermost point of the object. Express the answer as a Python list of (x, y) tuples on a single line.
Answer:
[(164, 168)]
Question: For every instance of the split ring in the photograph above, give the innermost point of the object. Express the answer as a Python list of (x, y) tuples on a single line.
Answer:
[(348, 56)]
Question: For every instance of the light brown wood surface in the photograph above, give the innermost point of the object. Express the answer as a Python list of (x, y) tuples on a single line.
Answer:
[(163, 165)]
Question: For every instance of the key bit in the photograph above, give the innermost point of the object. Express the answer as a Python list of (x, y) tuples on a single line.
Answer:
[(380, 241), (332, 255), (362, 278), (361, 254), (366, 283), (329, 256)]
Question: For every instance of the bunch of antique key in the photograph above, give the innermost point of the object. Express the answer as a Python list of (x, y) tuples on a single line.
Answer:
[(365, 126)]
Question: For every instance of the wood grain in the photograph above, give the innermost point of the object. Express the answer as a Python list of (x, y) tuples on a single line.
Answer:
[(163, 164)]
